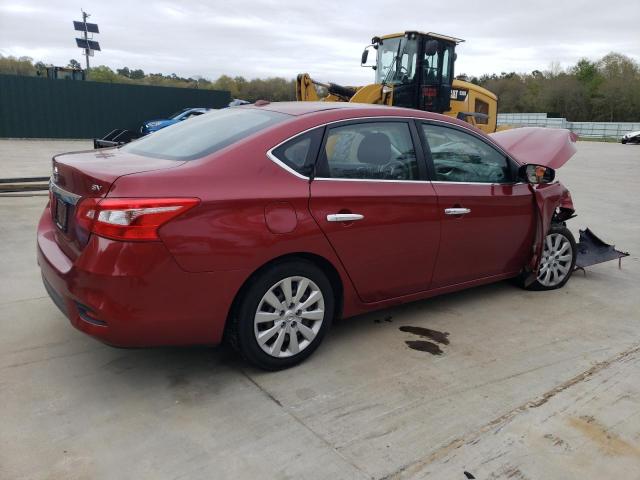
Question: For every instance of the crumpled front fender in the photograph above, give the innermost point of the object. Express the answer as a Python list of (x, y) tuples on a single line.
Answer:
[(553, 202)]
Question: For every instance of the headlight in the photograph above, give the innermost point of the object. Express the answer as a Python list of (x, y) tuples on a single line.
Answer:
[(154, 124)]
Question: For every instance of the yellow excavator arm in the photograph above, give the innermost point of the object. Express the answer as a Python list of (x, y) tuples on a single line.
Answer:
[(306, 89)]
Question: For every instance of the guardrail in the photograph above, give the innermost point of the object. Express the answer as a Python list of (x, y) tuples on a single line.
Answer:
[(23, 185), (582, 129)]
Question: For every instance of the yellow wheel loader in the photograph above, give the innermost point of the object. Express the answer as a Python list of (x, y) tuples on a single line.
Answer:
[(413, 70)]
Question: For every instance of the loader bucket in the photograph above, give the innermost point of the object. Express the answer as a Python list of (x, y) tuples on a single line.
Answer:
[(592, 250)]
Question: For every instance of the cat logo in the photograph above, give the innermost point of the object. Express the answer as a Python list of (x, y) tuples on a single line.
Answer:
[(459, 94)]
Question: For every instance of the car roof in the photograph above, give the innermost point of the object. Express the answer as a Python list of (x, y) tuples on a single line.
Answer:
[(346, 110), (304, 108)]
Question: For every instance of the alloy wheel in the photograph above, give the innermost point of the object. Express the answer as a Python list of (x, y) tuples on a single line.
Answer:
[(556, 261), (289, 316)]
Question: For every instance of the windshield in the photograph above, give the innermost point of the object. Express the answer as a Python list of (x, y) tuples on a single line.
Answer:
[(179, 112), (396, 61), (204, 134)]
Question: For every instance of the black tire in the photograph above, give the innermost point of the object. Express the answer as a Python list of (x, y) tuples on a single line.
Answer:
[(241, 331), (557, 229), (623, 141)]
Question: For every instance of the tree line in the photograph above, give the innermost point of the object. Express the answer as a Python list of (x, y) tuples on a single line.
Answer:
[(607, 89), (275, 89)]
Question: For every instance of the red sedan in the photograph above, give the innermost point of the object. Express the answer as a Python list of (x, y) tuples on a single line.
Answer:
[(261, 224)]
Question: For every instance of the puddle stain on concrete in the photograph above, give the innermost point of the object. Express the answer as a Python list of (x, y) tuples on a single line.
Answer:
[(607, 441), (425, 345), (436, 336)]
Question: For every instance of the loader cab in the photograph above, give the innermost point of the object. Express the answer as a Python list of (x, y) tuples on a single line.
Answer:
[(418, 67)]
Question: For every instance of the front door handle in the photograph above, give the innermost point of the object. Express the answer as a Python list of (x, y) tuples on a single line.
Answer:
[(344, 217), (457, 211)]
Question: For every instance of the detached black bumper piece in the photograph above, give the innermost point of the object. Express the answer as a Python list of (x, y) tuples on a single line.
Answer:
[(592, 250)]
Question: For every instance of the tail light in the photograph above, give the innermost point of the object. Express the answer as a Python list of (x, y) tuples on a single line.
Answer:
[(130, 218)]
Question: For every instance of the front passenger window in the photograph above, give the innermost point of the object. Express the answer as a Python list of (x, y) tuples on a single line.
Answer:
[(460, 157), (375, 150)]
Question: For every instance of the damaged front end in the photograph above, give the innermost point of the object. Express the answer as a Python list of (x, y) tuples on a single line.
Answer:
[(551, 149), (554, 206)]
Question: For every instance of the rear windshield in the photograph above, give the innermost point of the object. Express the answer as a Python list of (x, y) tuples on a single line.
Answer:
[(204, 134)]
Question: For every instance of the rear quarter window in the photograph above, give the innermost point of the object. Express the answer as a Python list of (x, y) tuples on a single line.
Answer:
[(204, 134), (299, 153)]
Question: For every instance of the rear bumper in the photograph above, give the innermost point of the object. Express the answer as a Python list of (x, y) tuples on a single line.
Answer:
[(134, 294)]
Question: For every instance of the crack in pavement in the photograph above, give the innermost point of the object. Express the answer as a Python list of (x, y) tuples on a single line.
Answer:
[(304, 425), (22, 300), (414, 467)]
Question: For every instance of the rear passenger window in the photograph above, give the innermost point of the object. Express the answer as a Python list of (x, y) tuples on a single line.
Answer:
[(299, 153), (375, 150)]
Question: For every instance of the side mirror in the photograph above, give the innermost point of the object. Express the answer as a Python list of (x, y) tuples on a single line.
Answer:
[(536, 174), (365, 55)]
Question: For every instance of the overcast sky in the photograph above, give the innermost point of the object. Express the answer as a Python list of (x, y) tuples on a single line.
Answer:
[(261, 38)]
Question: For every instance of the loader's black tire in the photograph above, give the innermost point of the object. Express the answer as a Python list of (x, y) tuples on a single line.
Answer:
[(556, 261)]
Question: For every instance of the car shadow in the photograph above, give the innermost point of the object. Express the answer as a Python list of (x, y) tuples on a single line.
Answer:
[(447, 303), (190, 371)]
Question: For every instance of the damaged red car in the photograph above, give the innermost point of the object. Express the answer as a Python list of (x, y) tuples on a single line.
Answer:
[(262, 224)]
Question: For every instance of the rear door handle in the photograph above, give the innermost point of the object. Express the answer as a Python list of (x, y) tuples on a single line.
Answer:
[(457, 211), (344, 217)]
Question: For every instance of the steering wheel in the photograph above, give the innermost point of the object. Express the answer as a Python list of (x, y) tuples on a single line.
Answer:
[(395, 170)]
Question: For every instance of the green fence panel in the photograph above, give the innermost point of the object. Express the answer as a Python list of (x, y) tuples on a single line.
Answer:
[(34, 107)]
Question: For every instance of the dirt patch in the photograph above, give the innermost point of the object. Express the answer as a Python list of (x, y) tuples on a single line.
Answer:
[(607, 441)]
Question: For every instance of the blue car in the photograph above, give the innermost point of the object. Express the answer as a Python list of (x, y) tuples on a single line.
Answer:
[(151, 126)]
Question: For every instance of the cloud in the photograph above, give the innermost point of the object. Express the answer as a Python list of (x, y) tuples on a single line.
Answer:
[(260, 38)]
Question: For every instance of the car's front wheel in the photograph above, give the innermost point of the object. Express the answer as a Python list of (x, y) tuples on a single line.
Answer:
[(283, 315), (558, 259)]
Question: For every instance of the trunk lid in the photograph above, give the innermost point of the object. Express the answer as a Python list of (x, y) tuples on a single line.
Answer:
[(89, 174)]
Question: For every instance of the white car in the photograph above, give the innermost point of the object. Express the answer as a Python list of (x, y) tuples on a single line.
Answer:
[(631, 137)]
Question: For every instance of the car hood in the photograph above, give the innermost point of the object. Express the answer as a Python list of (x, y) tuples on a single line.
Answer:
[(551, 147)]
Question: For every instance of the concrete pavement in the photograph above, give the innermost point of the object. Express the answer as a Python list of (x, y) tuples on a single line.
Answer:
[(32, 158)]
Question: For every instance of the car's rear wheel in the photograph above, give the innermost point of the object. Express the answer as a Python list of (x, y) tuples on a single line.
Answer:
[(283, 315), (558, 259)]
